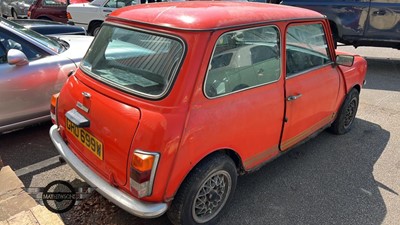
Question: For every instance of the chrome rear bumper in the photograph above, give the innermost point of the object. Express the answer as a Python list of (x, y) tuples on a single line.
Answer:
[(121, 199)]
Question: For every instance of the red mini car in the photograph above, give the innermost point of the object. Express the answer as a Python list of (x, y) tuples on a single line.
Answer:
[(174, 100)]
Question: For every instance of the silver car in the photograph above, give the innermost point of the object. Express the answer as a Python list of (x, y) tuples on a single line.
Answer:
[(32, 68), (15, 9)]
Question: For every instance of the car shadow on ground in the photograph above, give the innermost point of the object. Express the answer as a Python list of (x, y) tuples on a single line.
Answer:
[(382, 69), (327, 180), (23, 148)]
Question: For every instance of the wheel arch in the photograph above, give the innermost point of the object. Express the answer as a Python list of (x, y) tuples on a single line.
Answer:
[(44, 18), (357, 87), (233, 155), (93, 22)]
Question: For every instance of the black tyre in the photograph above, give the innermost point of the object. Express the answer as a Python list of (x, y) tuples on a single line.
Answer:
[(14, 14), (205, 192), (347, 114), (44, 18), (94, 29)]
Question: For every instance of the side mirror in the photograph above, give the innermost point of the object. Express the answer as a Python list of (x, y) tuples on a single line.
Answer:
[(345, 60), (16, 57)]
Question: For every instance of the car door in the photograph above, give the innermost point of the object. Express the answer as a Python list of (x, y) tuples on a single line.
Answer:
[(25, 90), (244, 91), (112, 5), (53, 9), (312, 83), (384, 20)]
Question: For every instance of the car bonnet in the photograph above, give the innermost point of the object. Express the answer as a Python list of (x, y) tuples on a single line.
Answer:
[(78, 45)]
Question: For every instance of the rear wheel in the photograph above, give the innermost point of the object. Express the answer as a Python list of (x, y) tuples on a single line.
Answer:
[(205, 192), (14, 14), (347, 113), (94, 28)]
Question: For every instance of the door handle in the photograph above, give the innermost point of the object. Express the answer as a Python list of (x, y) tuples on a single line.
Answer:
[(294, 97), (379, 13), (107, 10)]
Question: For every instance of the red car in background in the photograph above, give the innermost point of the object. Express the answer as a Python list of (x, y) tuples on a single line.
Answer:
[(55, 10)]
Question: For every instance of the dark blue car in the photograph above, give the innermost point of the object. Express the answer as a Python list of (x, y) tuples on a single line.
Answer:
[(359, 22)]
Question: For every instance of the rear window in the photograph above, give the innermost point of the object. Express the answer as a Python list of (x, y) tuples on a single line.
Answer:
[(134, 61)]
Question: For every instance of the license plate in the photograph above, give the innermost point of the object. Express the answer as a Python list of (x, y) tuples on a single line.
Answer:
[(87, 139)]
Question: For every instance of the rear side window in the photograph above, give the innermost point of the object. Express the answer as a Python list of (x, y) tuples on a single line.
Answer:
[(306, 48), (134, 61), (244, 59)]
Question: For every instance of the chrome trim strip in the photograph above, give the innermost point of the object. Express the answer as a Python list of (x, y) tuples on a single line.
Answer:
[(128, 203)]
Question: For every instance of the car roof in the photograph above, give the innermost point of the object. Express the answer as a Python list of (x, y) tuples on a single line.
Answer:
[(37, 22), (210, 15)]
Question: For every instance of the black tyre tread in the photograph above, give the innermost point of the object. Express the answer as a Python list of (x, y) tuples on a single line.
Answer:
[(337, 126), (94, 26), (175, 211)]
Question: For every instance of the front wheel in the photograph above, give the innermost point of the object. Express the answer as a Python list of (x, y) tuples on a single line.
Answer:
[(347, 113), (205, 192)]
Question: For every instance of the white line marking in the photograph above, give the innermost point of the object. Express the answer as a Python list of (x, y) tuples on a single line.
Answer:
[(37, 166)]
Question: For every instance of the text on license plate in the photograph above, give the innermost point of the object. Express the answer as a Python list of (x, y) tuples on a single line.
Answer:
[(84, 137)]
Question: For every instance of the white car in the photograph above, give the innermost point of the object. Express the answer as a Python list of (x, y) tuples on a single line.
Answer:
[(91, 15)]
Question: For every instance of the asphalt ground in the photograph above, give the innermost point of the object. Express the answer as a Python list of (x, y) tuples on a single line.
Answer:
[(348, 179)]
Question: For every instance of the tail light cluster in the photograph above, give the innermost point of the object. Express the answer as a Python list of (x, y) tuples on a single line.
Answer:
[(69, 16), (53, 108), (142, 172)]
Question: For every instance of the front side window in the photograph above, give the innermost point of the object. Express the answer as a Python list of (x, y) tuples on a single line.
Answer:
[(244, 59), (49, 43), (306, 48), (134, 61), (9, 41)]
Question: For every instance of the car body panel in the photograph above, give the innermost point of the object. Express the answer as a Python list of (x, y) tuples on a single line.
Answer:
[(97, 10), (51, 10), (26, 89), (47, 27), (359, 22), (187, 123), (384, 21), (111, 132)]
